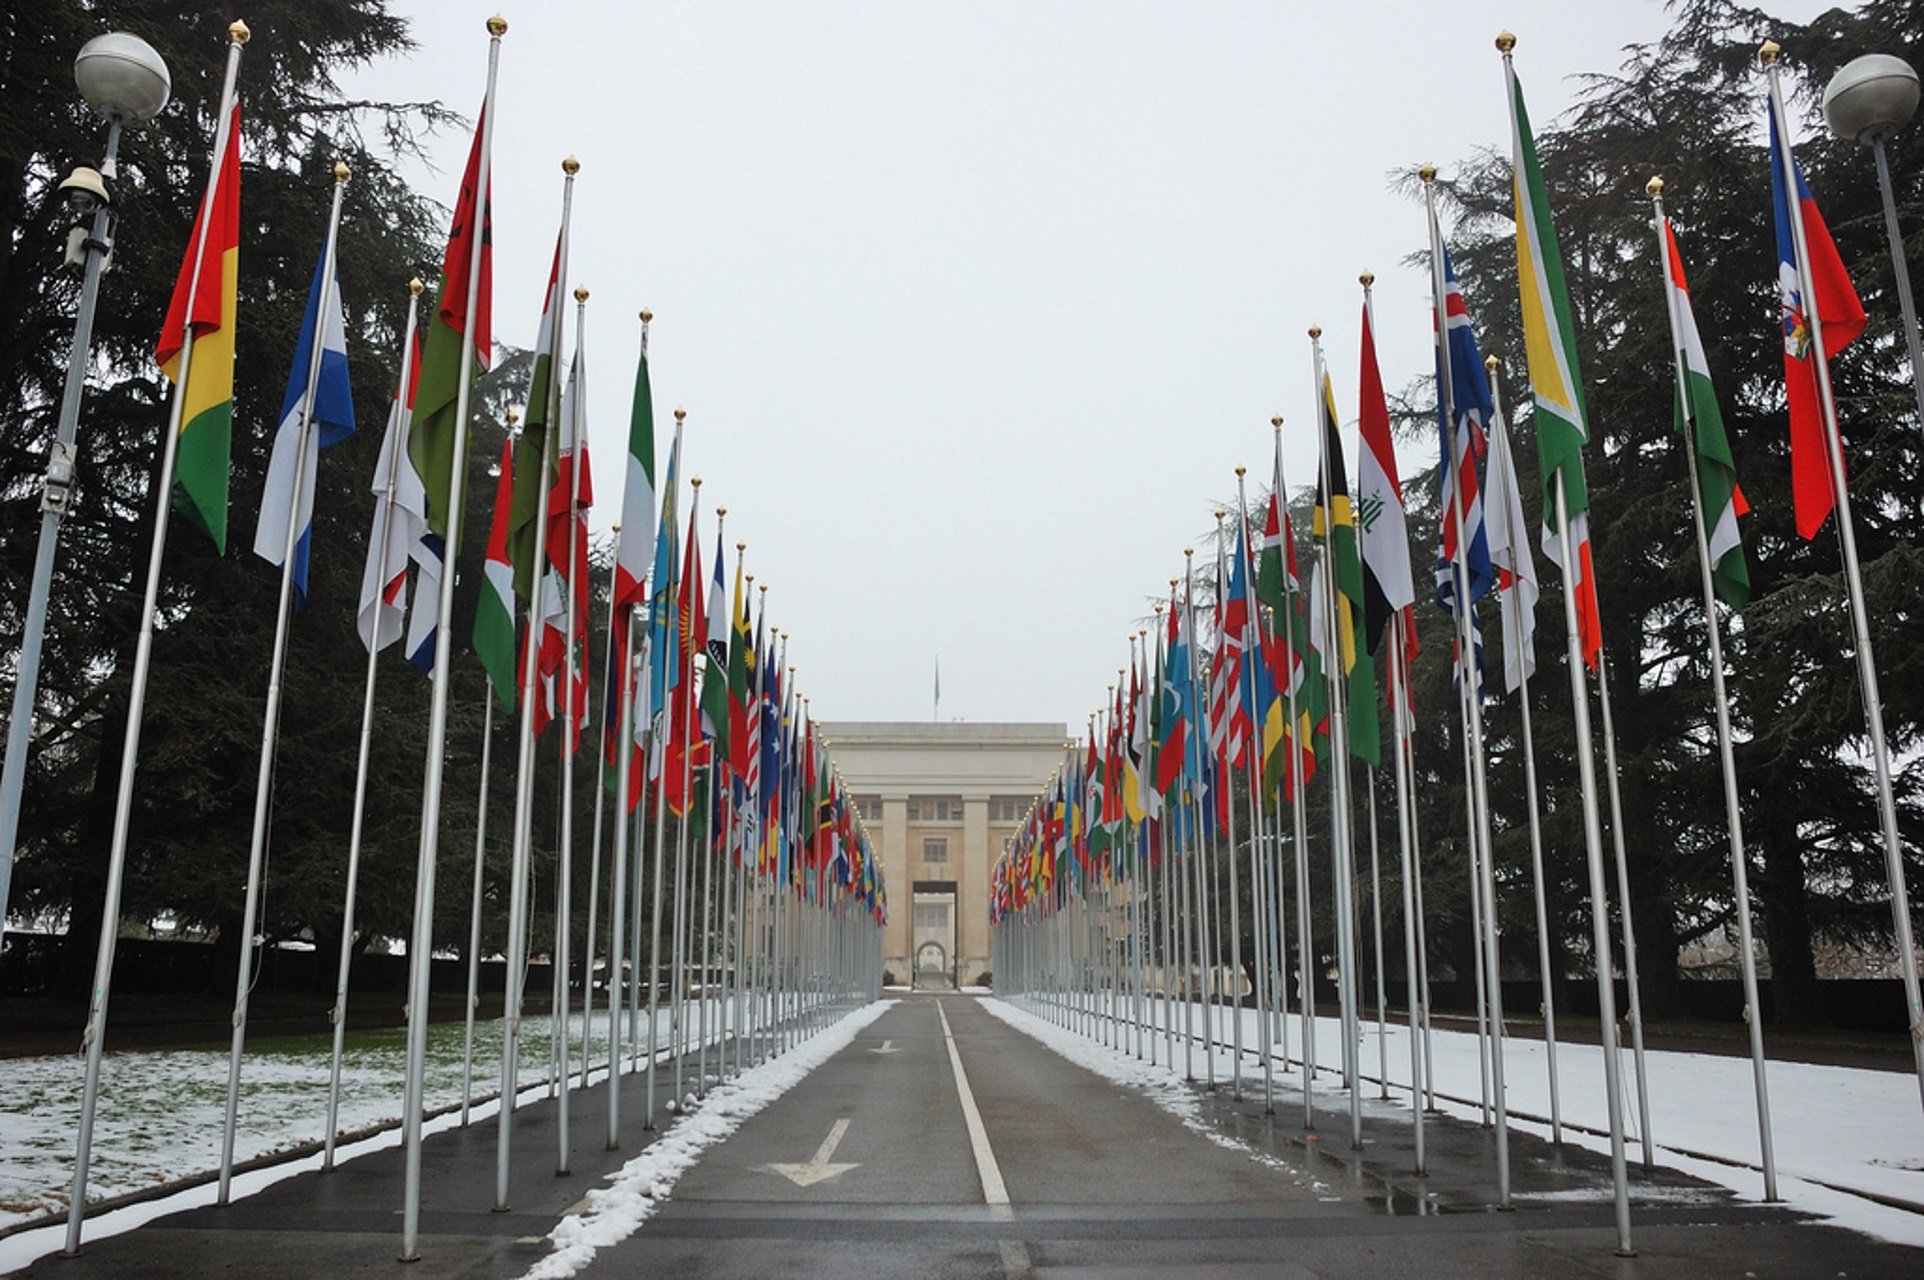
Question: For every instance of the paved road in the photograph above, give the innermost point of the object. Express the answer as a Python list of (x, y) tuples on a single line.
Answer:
[(941, 1142)]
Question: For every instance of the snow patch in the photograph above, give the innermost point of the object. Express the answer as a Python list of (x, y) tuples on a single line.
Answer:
[(641, 1186)]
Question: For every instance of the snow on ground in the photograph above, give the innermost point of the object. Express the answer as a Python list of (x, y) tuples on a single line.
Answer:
[(639, 1187), (160, 1112), (1835, 1130)]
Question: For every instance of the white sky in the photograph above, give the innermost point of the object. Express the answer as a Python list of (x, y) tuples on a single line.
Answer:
[(975, 309)]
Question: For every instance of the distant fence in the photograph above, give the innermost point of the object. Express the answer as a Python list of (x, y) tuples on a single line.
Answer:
[(30, 965)]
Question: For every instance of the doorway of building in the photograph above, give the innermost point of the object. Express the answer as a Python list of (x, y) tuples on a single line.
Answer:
[(934, 934)]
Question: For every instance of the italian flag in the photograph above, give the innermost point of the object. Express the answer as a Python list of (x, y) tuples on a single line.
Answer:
[(494, 610), (209, 275), (1723, 501)]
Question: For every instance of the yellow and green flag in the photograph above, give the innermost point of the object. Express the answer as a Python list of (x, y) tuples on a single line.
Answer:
[(202, 314)]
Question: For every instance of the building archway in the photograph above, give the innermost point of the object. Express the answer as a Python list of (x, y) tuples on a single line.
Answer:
[(932, 965)]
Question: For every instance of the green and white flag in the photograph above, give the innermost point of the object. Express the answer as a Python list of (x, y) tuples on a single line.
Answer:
[(1723, 501)]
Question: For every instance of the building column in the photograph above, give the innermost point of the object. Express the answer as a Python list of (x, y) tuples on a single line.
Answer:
[(971, 888)]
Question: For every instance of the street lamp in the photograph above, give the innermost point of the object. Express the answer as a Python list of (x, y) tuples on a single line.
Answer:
[(126, 82), (1870, 98)]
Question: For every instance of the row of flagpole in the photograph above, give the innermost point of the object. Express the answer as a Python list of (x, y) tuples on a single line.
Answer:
[(778, 900), (1117, 821)]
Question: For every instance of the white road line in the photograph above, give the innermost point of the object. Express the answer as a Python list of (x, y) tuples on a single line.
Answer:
[(994, 1193)]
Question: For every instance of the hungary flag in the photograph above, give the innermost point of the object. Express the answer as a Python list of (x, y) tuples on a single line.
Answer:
[(209, 275), (1723, 501), (494, 610)]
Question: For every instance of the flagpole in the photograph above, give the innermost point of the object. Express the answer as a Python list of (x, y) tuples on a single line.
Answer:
[(1625, 924), (1368, 279), (1400, 694), (270, 729), (421, 942), (624, 759), (594, 864), (474, 908), (92, 1039), (1342, 839), (1733, 810), (570, 729), (1511, 609), (1305, 973), (518, 906), (1854, 581), (1252, 654), (1470, 686), (338, 1015)]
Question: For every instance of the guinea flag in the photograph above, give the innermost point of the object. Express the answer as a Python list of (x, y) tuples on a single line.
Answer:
[(201, 312)]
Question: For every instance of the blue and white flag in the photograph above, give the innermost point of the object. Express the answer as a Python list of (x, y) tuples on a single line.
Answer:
[(427, 554), (331, 421)]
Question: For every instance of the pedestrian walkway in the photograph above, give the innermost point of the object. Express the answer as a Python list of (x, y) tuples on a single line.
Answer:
[(944, 1142)]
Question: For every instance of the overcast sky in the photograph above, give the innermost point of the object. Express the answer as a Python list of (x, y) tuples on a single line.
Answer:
[(976, 308)]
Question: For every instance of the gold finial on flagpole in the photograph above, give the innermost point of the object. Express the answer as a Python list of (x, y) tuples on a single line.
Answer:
[(1427, 173), (1505, 41), (497, 26), (415, 286), (341, 171), (1768, 51), (1368, 278), (238, 33), (1653, 188)]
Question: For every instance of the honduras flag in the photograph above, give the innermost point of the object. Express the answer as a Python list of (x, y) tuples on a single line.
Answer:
[(290, 471)]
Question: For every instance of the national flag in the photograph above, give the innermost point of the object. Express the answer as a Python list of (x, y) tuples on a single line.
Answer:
[(1289, 656), (535, 461), (664, 669), (1556, 384), (208, 284), (714, 677), (1516, 569), (470, 248), (428, 554), (569, 499), (1722, 500), (1177, 704), (1388, 588), (494, 606), (330, 419), (1462, 421), (399, 508), (684, 727), (741, 674), (634, 545), (1837, 312), (1334, 521)]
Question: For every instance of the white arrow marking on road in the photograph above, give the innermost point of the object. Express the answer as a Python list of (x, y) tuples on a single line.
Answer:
[(818, 1169), (888, 1046)]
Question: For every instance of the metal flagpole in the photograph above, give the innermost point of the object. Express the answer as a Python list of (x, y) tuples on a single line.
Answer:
[(658, 758), (1376, 920), (1853, 576), (1253, 761), (1624, 922), (1406, 849), (1342, 840), (474, 909), (338, 1015), (1470, 684), (271, 721), (594, 881), (421, 942), (518, 907), (1739, 871), (1306, 974), (624, 762), (1511, 607), (92, 1039), (575, 425)]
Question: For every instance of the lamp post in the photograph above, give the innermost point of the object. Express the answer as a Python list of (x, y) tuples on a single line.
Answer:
[(1868, 99), (125, 81)]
